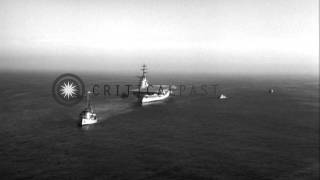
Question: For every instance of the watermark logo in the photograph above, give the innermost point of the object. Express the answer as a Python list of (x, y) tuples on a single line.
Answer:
[(68, 89)]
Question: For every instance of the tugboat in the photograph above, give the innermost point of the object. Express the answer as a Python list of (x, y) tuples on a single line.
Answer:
[(87, 116), (148, 93)]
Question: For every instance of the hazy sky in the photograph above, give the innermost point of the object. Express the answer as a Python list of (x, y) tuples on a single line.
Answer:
[(268, 36)]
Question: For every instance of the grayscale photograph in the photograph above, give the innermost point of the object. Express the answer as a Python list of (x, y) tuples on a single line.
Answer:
[(159, 89)]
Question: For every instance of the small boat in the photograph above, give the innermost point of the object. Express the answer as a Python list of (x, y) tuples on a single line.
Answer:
[(222, 96), (88, 116), (271, 91)]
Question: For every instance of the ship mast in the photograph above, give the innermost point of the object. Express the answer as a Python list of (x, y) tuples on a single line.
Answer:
[(144, 70), (88, 100), (143, 81)]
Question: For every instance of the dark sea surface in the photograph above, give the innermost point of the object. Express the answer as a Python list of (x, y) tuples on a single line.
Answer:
[(250, 135)]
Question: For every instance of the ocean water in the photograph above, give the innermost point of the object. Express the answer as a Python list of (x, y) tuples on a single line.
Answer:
[(250, 135)]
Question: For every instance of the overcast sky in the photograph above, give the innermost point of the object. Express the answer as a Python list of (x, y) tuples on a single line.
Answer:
[(230, 36)]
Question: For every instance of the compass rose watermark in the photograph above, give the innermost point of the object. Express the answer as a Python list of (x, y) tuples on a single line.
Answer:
[(68, 89)]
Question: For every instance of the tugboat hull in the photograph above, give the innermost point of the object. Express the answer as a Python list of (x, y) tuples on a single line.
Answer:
[(88, 121)]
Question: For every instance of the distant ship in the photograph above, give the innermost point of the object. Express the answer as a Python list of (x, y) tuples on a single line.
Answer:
[(88, 116), (271, 91), (150, 93), (222, 96)]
